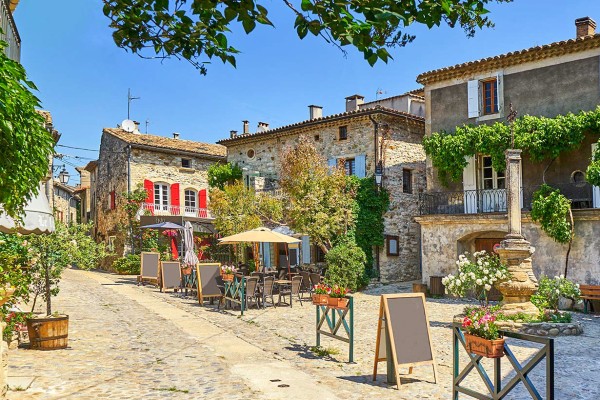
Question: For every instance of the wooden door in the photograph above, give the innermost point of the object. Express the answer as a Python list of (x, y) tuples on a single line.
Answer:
[(486, 244)]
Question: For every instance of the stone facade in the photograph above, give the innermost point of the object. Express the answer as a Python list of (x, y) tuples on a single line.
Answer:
[(65, 202), (131, 160), (399, 134), (545, 81), (443, 237)]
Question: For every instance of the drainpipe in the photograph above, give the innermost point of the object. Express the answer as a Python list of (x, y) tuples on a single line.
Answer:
[(128, 151), (376, 160)]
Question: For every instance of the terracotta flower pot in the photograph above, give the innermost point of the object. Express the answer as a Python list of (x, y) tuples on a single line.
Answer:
[(320, 299), (485, 347), (333, 301), (228, 277), (343, 302)]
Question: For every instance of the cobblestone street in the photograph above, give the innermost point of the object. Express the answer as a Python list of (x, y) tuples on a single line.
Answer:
[(135, 342)]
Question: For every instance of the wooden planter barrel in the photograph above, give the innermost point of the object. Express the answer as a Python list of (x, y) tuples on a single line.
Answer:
[(48, 333)]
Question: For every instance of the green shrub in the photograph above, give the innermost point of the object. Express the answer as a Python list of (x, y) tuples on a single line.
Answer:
[(129, 265), (345, 266), (551, 290)]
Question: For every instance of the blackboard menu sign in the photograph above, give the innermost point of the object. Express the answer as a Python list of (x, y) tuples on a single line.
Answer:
[(170, 275), (149, 269), (403, 321), (207, 274)]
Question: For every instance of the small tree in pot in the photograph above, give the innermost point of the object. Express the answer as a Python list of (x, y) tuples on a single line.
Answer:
[(66, 246)]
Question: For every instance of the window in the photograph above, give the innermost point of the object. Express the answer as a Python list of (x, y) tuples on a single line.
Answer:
[(111, 243), (489, 96), (350, 166), (319, 254), (112, 200), (392, 245), (490, 178), (407, 181), (190, 202), (186, 163), (343, 133), (161, 196), (317, 137)]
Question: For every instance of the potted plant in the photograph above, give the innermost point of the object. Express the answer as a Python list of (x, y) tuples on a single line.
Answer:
[(337, 297), (53, 252), (320, 296), (227, 272), (482, 336)]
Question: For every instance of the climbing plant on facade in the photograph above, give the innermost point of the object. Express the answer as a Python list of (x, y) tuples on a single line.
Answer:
[(541, 138), (593, 171)]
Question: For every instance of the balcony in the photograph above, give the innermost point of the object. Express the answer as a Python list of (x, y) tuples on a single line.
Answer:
[(495, 200), (10, 34), (156, 209)]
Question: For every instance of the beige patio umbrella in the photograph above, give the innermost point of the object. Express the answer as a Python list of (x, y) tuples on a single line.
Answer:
[(261, 235)]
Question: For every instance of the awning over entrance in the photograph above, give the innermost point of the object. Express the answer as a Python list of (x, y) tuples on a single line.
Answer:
[(37, 218)]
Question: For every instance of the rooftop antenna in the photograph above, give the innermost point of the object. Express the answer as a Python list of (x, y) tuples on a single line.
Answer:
[(147, 123), (129, 98), (378, 92)]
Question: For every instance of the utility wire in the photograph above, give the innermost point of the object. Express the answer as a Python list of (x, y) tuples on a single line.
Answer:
[(76, 148)]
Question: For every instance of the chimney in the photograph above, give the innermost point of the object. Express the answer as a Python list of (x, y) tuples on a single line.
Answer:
[(262, 127), (585, 27), (246, 128), (175, 135), (137, 127), (354, 102), (232, 134), (315, 111)]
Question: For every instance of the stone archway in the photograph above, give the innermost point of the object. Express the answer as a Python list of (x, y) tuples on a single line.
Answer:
[(481, 240)]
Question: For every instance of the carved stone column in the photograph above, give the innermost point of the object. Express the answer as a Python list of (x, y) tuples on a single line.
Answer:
[(514, 250)]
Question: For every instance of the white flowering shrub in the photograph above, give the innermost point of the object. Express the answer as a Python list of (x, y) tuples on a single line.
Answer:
[(479, 271), (550, 290)]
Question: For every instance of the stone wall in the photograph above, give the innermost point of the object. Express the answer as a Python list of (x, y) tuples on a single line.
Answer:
[(403, 150), (443, 237), (65, 206)]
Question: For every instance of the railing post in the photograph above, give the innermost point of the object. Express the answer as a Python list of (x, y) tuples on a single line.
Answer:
[(455, 360), (550, 370)]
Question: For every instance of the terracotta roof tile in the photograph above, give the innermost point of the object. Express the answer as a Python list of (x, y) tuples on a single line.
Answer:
[(161, 142), (516, 57), (309, 122)]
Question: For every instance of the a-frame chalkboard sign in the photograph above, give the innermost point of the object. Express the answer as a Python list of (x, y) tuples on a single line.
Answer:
[(403, 321)]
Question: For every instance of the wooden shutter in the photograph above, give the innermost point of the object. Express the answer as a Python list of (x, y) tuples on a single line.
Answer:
[(473, 98), (202, 203), (360, 165), (149, 186), (500, 91), (113, 202), (266, 250), (175, 201), (595, 189), (470, 186), (305, 250)]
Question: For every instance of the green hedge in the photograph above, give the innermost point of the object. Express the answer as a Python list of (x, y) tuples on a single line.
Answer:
[(129, 265)]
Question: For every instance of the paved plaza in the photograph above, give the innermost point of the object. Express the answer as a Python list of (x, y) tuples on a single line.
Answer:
[(130, 342)]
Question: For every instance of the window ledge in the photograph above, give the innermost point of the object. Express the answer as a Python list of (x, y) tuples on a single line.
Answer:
[(184, 169), (488, 117)]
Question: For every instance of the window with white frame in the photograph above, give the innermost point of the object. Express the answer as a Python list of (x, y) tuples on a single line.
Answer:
[(161, 196), (190, 198), (485, 97)]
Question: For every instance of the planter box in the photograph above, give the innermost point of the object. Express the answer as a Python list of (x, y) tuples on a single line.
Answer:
[(485, 347), (338, 302), (320, 299), (49, 333)]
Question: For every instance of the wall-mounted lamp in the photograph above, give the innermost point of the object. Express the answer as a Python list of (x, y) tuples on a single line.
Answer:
[(378, 174)]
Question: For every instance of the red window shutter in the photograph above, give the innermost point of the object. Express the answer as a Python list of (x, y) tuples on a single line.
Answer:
[(149, 186), (202, 203), (113, 203), (175, 194)]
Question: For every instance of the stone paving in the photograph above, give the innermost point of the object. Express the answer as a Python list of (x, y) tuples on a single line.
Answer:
[(127, 347)]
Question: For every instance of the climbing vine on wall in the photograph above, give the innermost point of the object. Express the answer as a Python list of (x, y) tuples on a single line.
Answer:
[(593, 172), (542, 138), (370, 207)]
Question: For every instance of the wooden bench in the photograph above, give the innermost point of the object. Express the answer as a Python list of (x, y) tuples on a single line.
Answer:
[(589, 293)]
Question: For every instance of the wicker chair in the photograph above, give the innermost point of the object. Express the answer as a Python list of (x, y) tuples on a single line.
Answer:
[(306, 286), (252, 291), (267, 290), (292, 290)]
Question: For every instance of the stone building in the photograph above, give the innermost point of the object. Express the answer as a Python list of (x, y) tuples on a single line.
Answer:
[(173, 172), (549, 80), (66, 203), (360, 137)]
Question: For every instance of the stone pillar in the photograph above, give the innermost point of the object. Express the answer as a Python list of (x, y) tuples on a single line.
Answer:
[(514, 250)]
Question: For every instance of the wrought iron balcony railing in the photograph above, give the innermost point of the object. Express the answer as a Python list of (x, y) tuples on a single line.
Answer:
[(495, 200), (9, 34), (168, 210)]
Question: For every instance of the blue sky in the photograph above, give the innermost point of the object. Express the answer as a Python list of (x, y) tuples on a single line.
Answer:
[(83, 77)]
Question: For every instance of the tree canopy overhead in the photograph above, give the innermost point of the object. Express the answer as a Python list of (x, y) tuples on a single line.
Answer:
[(197, 30)]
